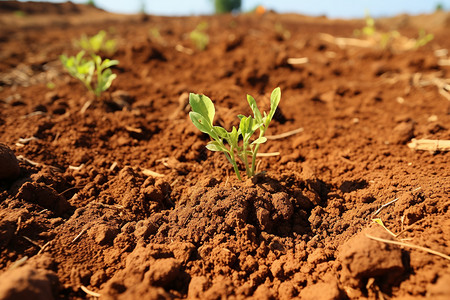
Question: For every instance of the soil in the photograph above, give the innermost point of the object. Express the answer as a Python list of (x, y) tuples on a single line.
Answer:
[(121, 199)]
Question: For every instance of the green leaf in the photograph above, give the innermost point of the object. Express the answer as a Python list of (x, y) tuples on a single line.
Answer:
[(200, 122), (256, 113), (220, 131), (79, 56), (107, 79), (259, 140), (216, 146), (274, 101), (109, 63), (233, 137), (243, 125), (203, 106), (246, 128)]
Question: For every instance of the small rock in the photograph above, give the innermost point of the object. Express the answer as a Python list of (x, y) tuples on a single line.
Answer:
[(9, 166), (402, 133)]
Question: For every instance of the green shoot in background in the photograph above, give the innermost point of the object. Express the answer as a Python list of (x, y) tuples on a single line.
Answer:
[(423, 38), (199, 36), (202, 116), (97, 43), (84, 70)]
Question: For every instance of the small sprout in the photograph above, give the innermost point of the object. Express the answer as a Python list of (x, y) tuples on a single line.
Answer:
[(155, 35), (20, 13), (281, 32), (97, 43), (202, 116), (91, 3), (50, 85), (369, 29), (423, 39), (391, 40), (84, 70), (199, 36)]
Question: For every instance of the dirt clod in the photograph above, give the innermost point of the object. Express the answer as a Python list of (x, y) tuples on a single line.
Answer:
[(363, 258), (402, 133), (44, 196), (28, 283), (322, 291), (9, 166)]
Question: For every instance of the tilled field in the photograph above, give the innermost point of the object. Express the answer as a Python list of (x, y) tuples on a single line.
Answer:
[(118, 197)]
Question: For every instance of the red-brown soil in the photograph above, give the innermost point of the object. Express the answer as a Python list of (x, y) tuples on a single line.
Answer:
[(80, 208)]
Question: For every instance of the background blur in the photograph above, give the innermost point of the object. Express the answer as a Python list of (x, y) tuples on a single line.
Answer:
[(330, 8)]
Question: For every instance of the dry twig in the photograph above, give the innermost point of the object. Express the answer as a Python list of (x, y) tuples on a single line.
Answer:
[(285, 134), (90, 293), (151, 173), (430, 145), (78, 236)]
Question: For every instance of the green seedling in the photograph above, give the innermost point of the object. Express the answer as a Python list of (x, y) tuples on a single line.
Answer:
[(91, 3), (283, 33), (20, 13), (199, 36), (50, 85), (423, 39), (84, 70), (97, 43), (239, 140), (369, 29)]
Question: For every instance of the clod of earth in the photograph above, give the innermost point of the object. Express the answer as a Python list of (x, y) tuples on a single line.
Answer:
[(9, 165)]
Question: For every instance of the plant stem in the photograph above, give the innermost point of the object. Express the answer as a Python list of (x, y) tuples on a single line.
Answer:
[(261, 134), (99, 76), (245, 159), (232, 160)]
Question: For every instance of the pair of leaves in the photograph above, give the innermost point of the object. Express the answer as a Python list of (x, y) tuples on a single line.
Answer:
[(97, 43)]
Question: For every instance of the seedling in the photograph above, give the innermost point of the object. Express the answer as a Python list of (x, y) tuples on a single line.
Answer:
[(97, 43), (202, 116), (84, 70), (281, 32), (392, 39), (369, 29), (423, 38), (199, 37)]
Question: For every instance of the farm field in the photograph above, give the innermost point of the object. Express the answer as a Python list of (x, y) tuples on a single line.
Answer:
[(117, 197)]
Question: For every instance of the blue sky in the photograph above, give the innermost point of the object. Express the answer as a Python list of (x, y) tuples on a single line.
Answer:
[(330, 8)]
